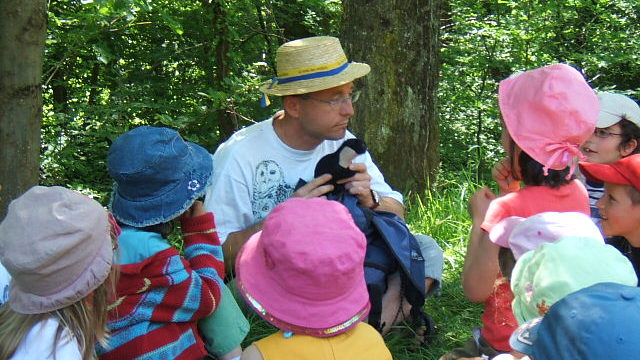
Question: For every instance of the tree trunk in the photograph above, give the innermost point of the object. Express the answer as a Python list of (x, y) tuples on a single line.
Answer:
[(397, 113), (22, 36)]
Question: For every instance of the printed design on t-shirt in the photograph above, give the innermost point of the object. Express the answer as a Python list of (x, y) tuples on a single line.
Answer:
[(269, 188)]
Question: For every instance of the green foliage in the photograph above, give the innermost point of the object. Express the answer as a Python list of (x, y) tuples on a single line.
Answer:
[(484, 42), (112, 65)]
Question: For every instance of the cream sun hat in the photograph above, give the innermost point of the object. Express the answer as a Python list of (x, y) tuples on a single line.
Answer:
[(312, 64)]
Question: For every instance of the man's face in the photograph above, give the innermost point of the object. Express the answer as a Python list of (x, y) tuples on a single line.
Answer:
[(620, 217), (322, 120)]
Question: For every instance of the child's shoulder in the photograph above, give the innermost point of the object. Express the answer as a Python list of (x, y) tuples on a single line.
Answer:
[(135, 245)]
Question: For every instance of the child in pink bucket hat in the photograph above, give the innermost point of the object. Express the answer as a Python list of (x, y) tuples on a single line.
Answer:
[(306, 277), (547, 114)]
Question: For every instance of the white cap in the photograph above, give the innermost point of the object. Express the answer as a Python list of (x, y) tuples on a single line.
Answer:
[(615, 107)]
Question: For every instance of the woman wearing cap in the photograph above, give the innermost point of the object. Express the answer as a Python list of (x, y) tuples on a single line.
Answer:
[(58, 247), (165, 301), (617, 135), (307, 279)]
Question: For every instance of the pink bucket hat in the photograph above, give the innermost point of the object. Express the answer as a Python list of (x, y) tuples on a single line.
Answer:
[(304, 272), (549, 112), (524, 234), (56, 244)]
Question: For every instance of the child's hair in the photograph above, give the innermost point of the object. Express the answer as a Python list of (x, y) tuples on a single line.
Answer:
[(506, 261), (58, 247), (634, 195), (85, 319), (532, 172), (629, 132)]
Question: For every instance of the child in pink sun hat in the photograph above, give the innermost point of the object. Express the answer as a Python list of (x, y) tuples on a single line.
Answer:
[(306, 277), (547, 114)]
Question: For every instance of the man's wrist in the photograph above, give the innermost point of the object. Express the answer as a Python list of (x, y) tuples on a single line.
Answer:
[(375, 198)]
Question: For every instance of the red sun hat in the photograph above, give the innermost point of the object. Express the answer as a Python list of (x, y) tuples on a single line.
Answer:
[(625, 171)]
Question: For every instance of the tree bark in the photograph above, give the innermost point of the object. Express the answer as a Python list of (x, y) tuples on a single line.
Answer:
[(397, 113), (22, 36)]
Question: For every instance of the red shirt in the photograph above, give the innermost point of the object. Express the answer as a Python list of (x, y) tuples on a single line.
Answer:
[(498, 319)]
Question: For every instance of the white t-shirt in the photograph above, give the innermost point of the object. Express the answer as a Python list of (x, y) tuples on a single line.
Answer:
[(38, 344), (5, 279), (254, 171)]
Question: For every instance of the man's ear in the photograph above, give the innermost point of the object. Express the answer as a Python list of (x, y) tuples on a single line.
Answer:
[(629, 147), (291, 105)]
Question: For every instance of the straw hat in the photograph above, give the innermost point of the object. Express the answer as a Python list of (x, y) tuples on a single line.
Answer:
[(312, 64)]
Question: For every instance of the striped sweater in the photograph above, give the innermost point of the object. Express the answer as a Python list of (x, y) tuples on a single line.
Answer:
[(161, 297)]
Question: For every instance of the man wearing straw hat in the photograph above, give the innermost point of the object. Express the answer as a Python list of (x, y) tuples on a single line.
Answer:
[(259, 166)]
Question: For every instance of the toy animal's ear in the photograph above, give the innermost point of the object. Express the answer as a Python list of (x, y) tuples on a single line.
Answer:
[(337, 163)]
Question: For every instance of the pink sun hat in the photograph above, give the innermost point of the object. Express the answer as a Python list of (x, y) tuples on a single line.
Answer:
[(525, 234), (304, 272), (549, 112)]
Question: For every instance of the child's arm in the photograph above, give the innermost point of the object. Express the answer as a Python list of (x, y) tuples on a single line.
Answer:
[(198, 228), (481, 261), (170, 288)]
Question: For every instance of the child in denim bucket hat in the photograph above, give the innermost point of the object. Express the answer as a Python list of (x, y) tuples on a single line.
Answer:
[(165, 301), (57, 245), (547, 114)]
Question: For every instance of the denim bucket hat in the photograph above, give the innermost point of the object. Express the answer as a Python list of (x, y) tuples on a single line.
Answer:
[(158, 175)]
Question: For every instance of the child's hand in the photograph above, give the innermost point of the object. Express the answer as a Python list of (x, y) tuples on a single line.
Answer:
[(479, 203), (196, 209), (503, 175)]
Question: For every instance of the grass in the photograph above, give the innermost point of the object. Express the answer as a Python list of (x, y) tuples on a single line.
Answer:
[(442, 214)]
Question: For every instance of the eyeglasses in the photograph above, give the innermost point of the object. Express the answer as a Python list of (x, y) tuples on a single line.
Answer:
[(603, 134), (335, 102)]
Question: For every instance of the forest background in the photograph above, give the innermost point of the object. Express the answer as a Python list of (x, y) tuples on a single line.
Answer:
[(111, 65)]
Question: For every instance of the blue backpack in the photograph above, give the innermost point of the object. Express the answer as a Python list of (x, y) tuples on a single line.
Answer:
[(390, 247)]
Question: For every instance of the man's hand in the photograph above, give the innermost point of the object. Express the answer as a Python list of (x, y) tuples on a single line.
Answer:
[(314, 188), (359, 185)]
